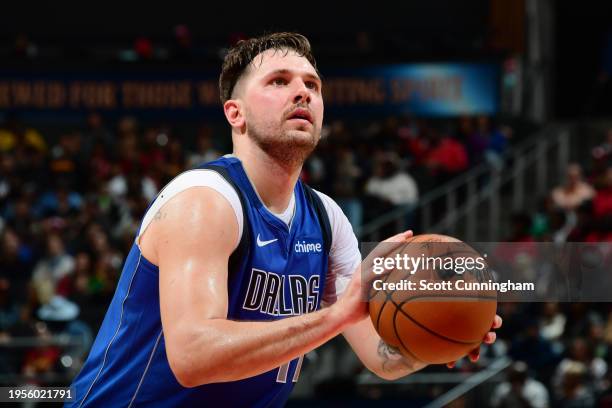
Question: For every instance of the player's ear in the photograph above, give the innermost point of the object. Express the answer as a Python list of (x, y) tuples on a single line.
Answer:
[(234, 112)]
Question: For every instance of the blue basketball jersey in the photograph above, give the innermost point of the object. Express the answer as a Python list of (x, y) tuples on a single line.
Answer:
[(276, 272)]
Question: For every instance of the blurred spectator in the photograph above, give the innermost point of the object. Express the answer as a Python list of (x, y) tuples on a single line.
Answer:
[(100, 166), (15, 136), (8, 178), (16, 261), (174, 162), (65, 161), (150, 152), (605, 399), (477, 137), (51, 273), (608, 329), (345, 189), (96, 135), (19, 215), (573, 391), (495, 140), (551, 223), (579, 318), (91, 290), (105, 259), (602, 203), (596, 337), (416, 144), (603, 152), (484, 141), (580, 353), (61, 202), (40, 360), (529, 346), (58, 309), (204, 150), (520, 390), (552, 322), (314, 172), (133, 182), (391, 184), (446, 158), (9, 311), (574, 192)]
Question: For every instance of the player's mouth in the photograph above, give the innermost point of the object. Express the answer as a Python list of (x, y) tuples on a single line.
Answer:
[(301, 114)]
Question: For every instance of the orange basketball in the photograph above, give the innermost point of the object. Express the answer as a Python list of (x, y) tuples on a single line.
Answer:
[(449, 309)]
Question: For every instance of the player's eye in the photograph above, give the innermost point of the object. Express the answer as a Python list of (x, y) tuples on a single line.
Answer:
[(312, 85), (279, 81)]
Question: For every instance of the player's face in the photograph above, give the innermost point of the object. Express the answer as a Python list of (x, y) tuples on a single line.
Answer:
[(283, 105)]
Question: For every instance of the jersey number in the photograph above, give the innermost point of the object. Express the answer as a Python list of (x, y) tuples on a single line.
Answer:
[(284, 370)]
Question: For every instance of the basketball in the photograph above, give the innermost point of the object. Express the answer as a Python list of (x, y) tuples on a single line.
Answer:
[(449, 309)]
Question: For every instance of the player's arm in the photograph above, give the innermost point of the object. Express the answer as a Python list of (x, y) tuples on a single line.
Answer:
[(382, 359), (193, 237)]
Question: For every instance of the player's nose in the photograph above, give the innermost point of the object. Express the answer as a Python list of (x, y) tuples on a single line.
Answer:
[(302, 93)]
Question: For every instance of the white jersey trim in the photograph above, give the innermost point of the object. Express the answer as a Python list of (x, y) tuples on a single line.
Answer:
[(195, 178), (344, 254)]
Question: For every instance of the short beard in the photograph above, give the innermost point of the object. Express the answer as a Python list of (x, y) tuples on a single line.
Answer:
[(286, 149)]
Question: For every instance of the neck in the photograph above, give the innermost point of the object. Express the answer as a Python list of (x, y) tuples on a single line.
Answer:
[(273, 181)]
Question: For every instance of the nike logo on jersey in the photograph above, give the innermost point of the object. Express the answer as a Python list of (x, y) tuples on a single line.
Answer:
[(261, 243)]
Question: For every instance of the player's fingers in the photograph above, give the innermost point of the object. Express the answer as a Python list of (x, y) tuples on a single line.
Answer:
[(497, 322), (474, 355), (490, 338), (402, 236), (451, 364), (387, 246)]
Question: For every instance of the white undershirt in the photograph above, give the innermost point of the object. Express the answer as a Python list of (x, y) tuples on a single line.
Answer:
[(287, 215)]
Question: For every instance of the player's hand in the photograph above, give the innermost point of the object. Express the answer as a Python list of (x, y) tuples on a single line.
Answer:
[(352, 304), (489, 338)]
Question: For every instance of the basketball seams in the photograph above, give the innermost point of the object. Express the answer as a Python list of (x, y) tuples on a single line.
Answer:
[(380, 312), (413, 320), (400, 338), (388, 295)]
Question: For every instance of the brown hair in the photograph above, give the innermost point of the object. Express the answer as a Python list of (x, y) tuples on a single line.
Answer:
[(242, 54)]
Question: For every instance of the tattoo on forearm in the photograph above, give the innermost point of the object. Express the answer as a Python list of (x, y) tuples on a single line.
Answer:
[(392, 359)]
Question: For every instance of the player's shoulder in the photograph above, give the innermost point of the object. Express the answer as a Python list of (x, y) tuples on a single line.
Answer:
[(182, 197), (183, 190), (195, 177)]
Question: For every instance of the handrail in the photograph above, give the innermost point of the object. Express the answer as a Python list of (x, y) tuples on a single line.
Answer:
[(59, 340), (480, 377), (367, 378), (536, 145)]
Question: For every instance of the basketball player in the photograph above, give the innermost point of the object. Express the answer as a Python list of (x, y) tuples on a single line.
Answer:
[(239, 268)]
